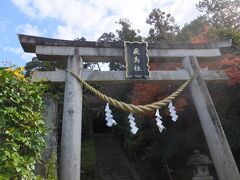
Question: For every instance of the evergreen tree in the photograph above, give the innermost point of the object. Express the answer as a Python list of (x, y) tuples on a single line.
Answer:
[(221, 13), (163, 26)]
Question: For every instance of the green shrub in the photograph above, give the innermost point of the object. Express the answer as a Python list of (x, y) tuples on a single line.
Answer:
[(88, 159), (21, 125), (51, 167)]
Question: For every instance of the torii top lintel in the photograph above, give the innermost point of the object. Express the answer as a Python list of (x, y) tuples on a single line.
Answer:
[(56, 49)]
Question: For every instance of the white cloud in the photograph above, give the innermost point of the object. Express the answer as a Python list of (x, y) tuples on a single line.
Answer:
[(91, 18), (25, 6), (19, 51), (29, 29)]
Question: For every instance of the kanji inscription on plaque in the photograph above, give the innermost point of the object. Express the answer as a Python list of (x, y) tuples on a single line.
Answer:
[(136, 59)]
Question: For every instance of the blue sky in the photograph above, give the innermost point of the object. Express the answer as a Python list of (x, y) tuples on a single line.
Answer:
[(69, 19)]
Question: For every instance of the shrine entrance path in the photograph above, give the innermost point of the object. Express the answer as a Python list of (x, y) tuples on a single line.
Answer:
[(111, 162)]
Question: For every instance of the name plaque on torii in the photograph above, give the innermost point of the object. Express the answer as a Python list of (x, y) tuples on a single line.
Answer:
[(136, 59), (75, 52)]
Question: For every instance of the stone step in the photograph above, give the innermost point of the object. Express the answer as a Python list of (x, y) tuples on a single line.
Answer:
[(111, 161)]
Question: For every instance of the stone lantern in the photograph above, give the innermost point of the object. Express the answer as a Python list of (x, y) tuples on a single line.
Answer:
[(200, 163)]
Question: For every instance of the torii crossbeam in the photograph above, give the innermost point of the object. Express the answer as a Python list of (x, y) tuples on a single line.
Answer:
[(75, 52)]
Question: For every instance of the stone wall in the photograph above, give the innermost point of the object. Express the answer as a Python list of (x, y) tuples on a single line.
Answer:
[(48, 167)]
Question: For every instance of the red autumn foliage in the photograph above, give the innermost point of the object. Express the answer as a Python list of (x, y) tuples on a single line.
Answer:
[(145, 93), (230, 64), (233, 70)]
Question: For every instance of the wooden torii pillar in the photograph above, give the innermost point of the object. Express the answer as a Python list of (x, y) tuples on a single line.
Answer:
[(75, 52)]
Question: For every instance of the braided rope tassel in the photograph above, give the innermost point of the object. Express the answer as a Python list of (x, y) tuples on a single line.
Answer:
[(131, 107)]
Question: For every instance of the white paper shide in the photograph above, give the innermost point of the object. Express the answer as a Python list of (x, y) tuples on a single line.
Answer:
[(109, 116), (159, 122), (134, 129), (172, 112)]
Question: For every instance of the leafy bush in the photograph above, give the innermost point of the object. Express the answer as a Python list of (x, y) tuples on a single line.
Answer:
[(21, 125), (51, 167), (88, 161)]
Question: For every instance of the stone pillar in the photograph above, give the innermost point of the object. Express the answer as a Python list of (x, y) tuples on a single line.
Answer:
[(49, 156), (217, 143), (70, 158), (51, 120)]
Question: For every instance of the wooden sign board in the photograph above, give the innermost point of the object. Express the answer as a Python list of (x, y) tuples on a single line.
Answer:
[(136, 58)]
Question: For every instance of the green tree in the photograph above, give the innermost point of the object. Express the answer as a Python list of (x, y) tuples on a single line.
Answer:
[(37, 65), (224, 19), (111, 37), (163, 26), (107, 37), (80, 39), (221, 13), (126, 33)]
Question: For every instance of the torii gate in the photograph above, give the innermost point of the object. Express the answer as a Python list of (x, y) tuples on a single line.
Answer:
[(75, 52)]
